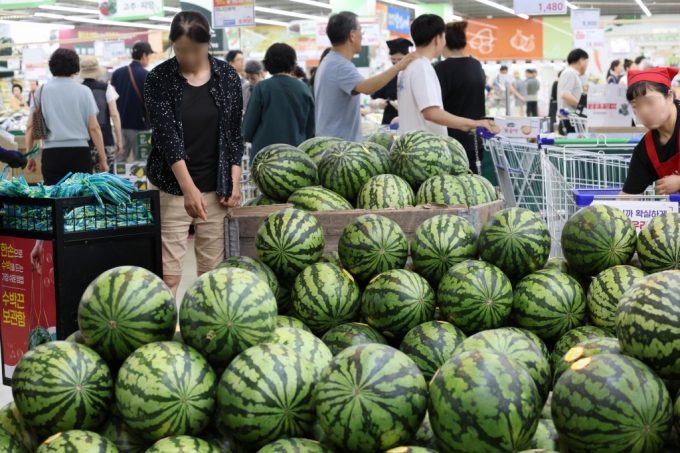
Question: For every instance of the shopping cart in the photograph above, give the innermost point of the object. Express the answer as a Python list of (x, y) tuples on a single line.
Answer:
[(579, 123), (248, 188)]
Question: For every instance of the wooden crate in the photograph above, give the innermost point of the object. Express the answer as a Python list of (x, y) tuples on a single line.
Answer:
[(241, 227)]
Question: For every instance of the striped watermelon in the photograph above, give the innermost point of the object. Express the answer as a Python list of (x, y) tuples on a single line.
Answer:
[(411, 450), (474, 296), (226, 311), (346, 166), (261, 200), (341, 337), (385, 191), (77, 441), (483, 401), (562, 265), (372, 244), (546, 413), (597, 238), (534, 339), (658, 246), (519, 348), (119, 433), (587, 348), (431, 344), (648, 322), (332, 258), (371, 398), (549, 303), (280, 170), (459, 158), (383, 155), (10, 444), (60, 386), (305, 344), (515, 240), (546, 437), (178, 444), (417, 156), (315, 147), (611, 403), (75, 337), (441, 242), (157, 400), (317, 198), (257, 267), (123, 309), (294, 446), (217, 435), (266, 394), (574, 337), (14, 424), (425, 436), (288, 241), (283, 299), (325, 296), (396, 301), (385, 139), (465, 190), (289, 321), (606, 292)]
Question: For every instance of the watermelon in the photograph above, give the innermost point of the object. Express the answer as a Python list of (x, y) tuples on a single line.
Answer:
[(396, 301), (606, 292), (439, 243), (10, 444), (119, 433), (283, 299), (546, 436), (425, 436), (217, 435), (157, 400), (549, 303), (317, 198), (77, 441), (483, 401), (261, 200), (345, 167), (266, 393), (14, 424), (341, 337), (611, 403), (417, 156), (178, 444), (597, 238), (60, 386), (466, 190), (431, 344), (123, 309), (288, 241), (372, 244), (574, 337), (519, 348), (546, 413), (226, 311), (562, 265), (587, 348), (315, 147), (289, 321), (383, 155), (294, 446), (75, 337), (658, 245), (371, 398), (474, 296), (280, 170), (459, 158), (411, 450), (385, 139), (325, 296), (305, 344), (648, 322), (385, 191), (534, 339), (515, 240), (257, 267), (332, 258)]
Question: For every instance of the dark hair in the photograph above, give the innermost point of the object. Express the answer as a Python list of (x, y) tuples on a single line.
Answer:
[(639, 89), (339, 27), (325, 52), (232, 54), (299, 72), (191, 24), (504, 68), (253, 67), (16, 85), (615, 64), (425, 28), (627, 64), (280, 59), (577, 55), (455, 35), (64, 63), (639, 59)]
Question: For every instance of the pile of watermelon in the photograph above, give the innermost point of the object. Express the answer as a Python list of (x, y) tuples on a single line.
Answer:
[(476, 343), (385, 171)]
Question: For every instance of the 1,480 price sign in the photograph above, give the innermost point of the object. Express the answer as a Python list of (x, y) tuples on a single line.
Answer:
[(540, 8)]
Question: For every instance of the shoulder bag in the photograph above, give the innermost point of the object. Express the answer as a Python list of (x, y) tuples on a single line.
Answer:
[(141, 99), (40, 130)]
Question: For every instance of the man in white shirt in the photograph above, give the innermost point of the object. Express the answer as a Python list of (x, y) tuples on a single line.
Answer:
[(420, 96), (570, 85)]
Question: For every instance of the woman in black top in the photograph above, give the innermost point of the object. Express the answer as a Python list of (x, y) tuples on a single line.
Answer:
[(195, 104), (463, 87)]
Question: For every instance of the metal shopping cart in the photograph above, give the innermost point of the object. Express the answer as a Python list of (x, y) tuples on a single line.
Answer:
[(579, 123), (248, 188)]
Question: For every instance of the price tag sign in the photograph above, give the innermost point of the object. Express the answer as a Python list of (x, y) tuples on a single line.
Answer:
[(540, 7), (113, 50), (233, 13), (641, 212), (582, 19)]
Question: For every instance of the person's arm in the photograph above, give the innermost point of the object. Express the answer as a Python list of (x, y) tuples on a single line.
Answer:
[(570, 99), (194, 202), (98, 140), (30, 166), (439, 116), (115, 117), (370, 85), (641, 172), (251, 120), (311, 121), (514, 91), (235, 141)]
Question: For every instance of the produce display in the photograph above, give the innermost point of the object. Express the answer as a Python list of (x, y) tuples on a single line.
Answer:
[(346, 166), (658, 245), (465, 190), (417, 156), (318, 199), (385, 191), (280, 170)]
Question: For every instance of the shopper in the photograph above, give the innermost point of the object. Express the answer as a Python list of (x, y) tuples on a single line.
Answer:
[(236, 59), (254, 74), (615, 72), (553, 100), (385, 98), (505, 92), (628, 65), (70, 114), (656, 157), (420, 95), (281, 108), (18, 101), (34, 84), (195, 105), (338, 82), (300, 74), (520, 97), (129, 84), (463, 84), (105, 96), (324, 54), (570, 85), (533, 87)]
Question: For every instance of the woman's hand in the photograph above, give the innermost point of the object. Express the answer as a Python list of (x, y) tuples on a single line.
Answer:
[(30, 166), (668, 185), (103, 166), (234, 201), (195, 204)]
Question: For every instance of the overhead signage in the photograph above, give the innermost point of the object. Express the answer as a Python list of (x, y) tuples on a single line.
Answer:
[(585, 18), (540, 7), (122, 10), (113, 50), (233, 13), (398, 20)]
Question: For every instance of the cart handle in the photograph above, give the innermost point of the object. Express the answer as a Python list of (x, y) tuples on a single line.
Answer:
[(599, 140)]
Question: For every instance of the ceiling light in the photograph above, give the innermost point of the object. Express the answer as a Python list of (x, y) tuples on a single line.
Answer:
[(38, 24), (161, 19), (313, 3), (271, 22), (502, 8), (49, 15), (69, 9), (116, 24), (572, 6), (280, 12), (399, 3), (170, 9), (644, 8), (456, 18)]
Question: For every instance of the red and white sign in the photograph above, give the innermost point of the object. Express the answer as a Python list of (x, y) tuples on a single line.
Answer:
[(641, 212), (370, 34)]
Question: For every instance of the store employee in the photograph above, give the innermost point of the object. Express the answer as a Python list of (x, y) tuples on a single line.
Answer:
[(385, 97), (656, 158)]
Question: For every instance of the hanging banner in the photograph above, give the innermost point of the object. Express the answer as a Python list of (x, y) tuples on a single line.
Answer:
[(113, 50), (24, 3), (123, 10), (370, 34), (505, 39), (585, 18), (35, 64), (398, 20), (321, 36), (302, 28), (540, 7), (233, 13), (608, 106)]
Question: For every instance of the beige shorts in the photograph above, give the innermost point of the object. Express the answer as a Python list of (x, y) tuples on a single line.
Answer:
[(209, 239)]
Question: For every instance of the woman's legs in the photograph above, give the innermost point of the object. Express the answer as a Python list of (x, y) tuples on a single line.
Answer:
[(58, 162)]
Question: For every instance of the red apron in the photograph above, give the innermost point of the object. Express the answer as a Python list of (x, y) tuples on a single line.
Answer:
[(668, 168)]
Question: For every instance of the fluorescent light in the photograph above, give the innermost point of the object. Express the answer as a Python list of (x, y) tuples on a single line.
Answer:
[(572, 6), (70, 9), (271, 22), (399, 3), (170, 9), (313, 3), (116, 24), (458, 18), (523, 16), (37, 24), (161, 19), (49, 15), (502, 8), (644, 8), (280, 12)]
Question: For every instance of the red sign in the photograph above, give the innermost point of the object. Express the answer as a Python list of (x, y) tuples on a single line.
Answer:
[(28, 299)]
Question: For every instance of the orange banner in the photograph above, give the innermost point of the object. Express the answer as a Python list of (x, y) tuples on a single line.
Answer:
[(505, 39)]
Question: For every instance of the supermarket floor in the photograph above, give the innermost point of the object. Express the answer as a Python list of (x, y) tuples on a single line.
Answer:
[(188, 278)]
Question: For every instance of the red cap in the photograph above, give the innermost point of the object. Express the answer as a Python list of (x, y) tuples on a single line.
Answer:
[(664, 76)]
